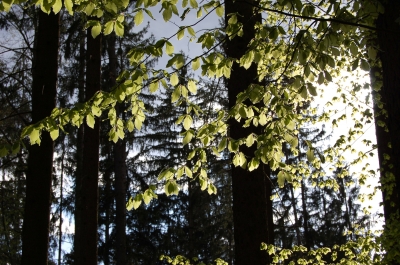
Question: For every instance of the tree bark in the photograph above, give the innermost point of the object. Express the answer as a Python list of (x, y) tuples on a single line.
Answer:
[(120, 169), (35, 232), (79, 146), (252, 206), (388, 40), (87, 252)]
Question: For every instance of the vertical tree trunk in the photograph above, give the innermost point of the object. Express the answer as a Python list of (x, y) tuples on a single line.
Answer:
[(79, 147), (35, 232), (389, 43), (252, 207), (120, 169), (87, 252)]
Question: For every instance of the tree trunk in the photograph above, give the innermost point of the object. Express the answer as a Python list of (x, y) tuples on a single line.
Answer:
[(35, 234), (79, 147), (87, 252), (120, 169), (389, 43), (252, 206)]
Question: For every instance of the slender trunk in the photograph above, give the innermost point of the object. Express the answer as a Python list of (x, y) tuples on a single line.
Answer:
[(87, 253), (307, 237), (120, 169), (389, 43), (79, 145), (61, 208), (252, 206), (35, 231)]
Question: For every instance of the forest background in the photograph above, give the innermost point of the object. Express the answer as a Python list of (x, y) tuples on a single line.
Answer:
[(245, 130)]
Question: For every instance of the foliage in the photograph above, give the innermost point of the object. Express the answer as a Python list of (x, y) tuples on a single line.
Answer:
[(303, 44)]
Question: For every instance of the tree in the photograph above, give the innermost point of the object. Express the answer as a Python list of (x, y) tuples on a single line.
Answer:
[(35, 233), (251, 190), (298, 41), (87, 251), (388, 142)]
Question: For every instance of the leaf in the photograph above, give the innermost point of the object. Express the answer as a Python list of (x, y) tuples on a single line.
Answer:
[(222, 144), (312, 89), (281, 178), (188, 137), (119, 29), (147, 196), (193, 4), (138, 124), (191, 31), (181, 33), (139, 17), (253, 164), (153, 87), (169, 48), (211, 189), (174, 80), (176, 94), (54, 133), (96, 29), (34, 136), (192, 87), (57, 6), (90, 120), (187, 122), (130, 126), (250, 140), (171, 188), (167, 13), (196, 64), (108, 27), (220, 11)]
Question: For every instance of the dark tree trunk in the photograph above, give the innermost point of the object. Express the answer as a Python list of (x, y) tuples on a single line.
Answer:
[(87, 252), (388, 41), (252, 206), (79, 145), (120, 169), (389, 54), (35, 232)]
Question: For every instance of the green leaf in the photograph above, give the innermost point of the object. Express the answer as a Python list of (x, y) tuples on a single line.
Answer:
[(119, 29), (174, 79), (169, 48), (312, 89), (181, 33), (90, 120), (176, 94), (147, 196), (139, 17), (96, 29), (130, 126), (187, 122), (253, 164), (108, 27), (54, 133), (220, 11), (149, 13), (167, 14), (250, 140), (34, 136), (222, 144), (196, 64), (193, 4), (57, 6), (153, 87), (138, 124), (171, 188), (188, 137), (211, 189), (192, 87), (281, 178), (191, 31)]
